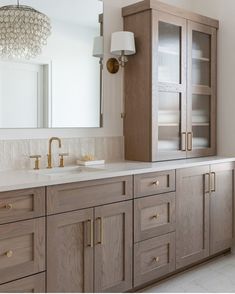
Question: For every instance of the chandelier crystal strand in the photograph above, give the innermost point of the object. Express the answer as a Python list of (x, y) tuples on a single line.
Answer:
[(23, 31)]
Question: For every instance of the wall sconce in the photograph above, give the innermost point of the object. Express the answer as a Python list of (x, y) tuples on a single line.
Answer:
[(98, 48), (122, 45)]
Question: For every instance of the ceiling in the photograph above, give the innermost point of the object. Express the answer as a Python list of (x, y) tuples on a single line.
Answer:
[(82, 12)]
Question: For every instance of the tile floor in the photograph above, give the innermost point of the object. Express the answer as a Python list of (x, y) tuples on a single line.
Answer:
[(213, 277)]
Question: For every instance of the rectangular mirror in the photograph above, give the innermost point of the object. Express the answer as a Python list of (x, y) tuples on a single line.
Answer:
[(62, 86)]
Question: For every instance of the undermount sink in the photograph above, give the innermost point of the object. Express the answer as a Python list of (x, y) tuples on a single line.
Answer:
[(72, 170)]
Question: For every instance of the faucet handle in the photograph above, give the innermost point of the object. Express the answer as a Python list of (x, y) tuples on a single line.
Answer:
[(37, 162), (62, 155)]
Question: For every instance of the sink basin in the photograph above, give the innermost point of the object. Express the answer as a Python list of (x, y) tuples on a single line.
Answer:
[(66, 171)]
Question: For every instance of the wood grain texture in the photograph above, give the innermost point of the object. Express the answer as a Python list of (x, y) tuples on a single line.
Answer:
[(69, 256), (192, 215), (26, 240), (26, 204), (32, 284), (146, 268), (154, 183), (138, 90), (203, 90), (69, 197), (154, 216), (221, 207), (113, 257), (163, 7)]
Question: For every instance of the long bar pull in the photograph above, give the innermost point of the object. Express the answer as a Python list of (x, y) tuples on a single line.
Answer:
[(207, 183), (183, 141), (91, 233), (190, 141), (100, 219), (213, 182)]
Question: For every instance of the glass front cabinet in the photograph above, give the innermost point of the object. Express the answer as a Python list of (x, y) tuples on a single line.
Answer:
[(170, 84)]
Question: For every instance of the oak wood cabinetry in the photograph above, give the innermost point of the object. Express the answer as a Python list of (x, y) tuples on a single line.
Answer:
[(170, 84), (204, 212), (96, 244)]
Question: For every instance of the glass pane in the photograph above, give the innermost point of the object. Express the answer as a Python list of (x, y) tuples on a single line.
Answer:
[(169, 53), (201, 121), (169, 121), (201, 56)]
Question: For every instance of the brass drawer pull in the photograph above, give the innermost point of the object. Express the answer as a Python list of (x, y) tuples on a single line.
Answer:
[(156, 259), (156, 216), (8, 206), (100, 219), (91, 233), (157, 183), (9, 253)]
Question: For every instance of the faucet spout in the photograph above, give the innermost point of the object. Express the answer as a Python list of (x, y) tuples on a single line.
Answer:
[(49, 156)]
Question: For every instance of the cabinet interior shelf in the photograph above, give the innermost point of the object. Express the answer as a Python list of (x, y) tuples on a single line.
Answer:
[(201, 124), (201, 59), (167, 51)]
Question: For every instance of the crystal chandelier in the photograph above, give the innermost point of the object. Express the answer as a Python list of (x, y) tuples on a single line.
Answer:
[(23, 31)]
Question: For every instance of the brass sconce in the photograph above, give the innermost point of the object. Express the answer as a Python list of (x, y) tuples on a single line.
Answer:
[(122, 45)]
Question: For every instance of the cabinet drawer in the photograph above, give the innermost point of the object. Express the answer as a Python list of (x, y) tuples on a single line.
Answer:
[(154, 258), (154, 183), (22, 205), (154, 216), (33, 284), (74, 196), (22, 249)]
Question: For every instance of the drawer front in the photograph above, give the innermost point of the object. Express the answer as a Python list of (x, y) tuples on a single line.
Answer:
[(70, 197), (154, 216), (22, 249), (33, 284), (154, 183), (154, 258), (22, 205)]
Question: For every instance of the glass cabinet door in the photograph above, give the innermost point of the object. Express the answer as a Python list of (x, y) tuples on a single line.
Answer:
[(170, 100), (201, 90)]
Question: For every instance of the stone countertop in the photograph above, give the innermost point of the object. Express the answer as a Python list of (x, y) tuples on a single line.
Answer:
[(23, 179)]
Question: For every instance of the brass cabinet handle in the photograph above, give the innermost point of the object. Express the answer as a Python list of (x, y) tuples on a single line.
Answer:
[(9, 253), (91, 233), (190, 141), (156, 259), (213, 180), (101, 237), (157, 183), (183, 141), (207, 187), (7, 206)]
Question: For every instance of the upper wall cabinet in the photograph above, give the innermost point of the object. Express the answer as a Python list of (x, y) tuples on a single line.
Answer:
[(170, 84)]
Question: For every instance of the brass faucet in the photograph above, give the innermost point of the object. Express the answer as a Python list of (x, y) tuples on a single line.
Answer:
[(49, 156)]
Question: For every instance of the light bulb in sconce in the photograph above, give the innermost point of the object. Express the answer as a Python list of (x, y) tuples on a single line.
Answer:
[(122, 45)]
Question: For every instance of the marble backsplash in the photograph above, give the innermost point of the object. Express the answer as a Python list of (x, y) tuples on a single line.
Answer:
[(14, 154)]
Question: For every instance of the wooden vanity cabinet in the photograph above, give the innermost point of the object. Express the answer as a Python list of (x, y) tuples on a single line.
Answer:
[(170, 84), (90, 249), (204, 212)]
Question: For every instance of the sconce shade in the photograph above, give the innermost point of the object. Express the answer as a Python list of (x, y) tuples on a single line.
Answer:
[(123, 42), (98, 47)]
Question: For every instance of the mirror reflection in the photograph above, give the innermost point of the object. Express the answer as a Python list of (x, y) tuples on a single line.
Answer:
[(51, 63)]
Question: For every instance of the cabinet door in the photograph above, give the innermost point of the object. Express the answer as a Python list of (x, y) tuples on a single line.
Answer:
[(169, 87), (201, 103), (221, 207), (192, 215), (113, 249), (70, 252)]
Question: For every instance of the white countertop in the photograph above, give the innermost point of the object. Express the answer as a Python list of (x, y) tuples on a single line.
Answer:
[(23, 179)]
